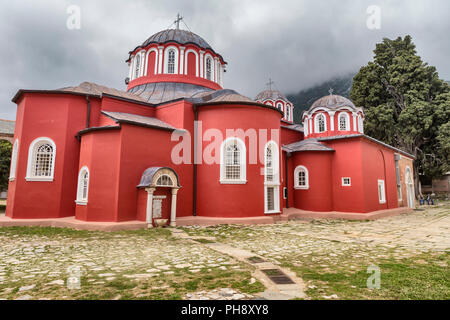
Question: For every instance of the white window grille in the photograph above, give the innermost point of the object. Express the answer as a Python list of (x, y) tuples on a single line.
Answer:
[(346, 181), (270, 197), (208, 68), (12, 170), (137, 66), (344, 122), (171, 61), (83, 186), (320, 123), (164, 181), (233, 166), (381, 192), (41, 160), (301, 178)]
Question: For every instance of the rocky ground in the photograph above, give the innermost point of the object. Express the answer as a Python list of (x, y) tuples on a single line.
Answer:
[(332, 257)]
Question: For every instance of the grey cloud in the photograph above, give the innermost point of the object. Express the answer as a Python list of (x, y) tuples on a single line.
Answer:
[(296, 43)]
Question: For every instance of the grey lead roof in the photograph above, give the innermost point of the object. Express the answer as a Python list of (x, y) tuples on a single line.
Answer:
[(310, 144), (177, 35), (271, 95), (159, 92), (332, 101), (7, 126), (138, 120)]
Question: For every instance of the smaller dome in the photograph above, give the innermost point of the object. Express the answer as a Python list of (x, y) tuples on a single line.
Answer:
[(332, 101), (270, 95)]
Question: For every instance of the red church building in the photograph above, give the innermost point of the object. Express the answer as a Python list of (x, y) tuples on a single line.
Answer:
[(177, 148)]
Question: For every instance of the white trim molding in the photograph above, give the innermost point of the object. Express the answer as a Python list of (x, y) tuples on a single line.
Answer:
[(81, 198), (32, 158), (13, 167), (381, 191)]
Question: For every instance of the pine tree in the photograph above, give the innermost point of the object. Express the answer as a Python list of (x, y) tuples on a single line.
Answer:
[(406, 105)]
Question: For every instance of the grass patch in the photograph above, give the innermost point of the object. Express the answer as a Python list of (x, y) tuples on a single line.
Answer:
[(420, 278)]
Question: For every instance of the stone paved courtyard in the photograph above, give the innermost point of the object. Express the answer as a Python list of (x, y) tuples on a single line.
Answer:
[(411, 250)]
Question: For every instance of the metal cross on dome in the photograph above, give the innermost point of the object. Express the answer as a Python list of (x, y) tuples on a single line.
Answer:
[(177, 20), (269, 84), (331, 91)]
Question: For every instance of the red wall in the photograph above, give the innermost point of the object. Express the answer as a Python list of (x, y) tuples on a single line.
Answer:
[(318, 197), (46, 199), (226, 200)]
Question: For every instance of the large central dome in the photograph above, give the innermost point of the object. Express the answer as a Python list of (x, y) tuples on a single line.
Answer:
[(179, 36)]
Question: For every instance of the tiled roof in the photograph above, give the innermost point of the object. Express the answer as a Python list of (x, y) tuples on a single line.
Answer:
[(310, 144), (295, 127), (225, 95), (7, 126), (138, 120)]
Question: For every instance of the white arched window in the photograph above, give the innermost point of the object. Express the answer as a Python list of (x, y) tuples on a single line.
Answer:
[(83, 186), (320, 124), (301, 178), (233, 161), (288, 112), (344, 121), (208, 68), (305, 126), (360, 124), (164, 181), (137, 65), (12, 170), (171, 61), (271, 178), (41, 160)]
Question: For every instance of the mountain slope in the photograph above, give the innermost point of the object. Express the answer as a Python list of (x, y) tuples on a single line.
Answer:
[(305, 98)]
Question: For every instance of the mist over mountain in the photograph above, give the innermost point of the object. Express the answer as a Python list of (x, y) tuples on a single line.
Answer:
[(305, 98)]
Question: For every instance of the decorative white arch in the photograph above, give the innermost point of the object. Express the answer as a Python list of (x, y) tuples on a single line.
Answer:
[(147, 60), (242, 179), (34, 164), (186, 54)]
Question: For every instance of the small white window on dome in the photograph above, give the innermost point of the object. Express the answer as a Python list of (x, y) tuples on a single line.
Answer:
[(360, 124), (320, 123), (344, 121), (288, 112), (12, 170), (171, 61), (208, 68), (41, 160), (83, 186), (137, 64), (301, 178)]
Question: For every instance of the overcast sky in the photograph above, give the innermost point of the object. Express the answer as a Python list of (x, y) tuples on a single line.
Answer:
[(298, 43)]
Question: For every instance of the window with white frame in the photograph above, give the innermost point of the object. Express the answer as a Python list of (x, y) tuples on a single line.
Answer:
[(344, 121), (233, 161), (381, 192), (208, 68), (171, 61), (346, 181), (12, 170), (360, 124), (320, 123), (41, 160), (83, 186), (301, 178), (288, 112), (137, 65), (271, 178), (164, 181)]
